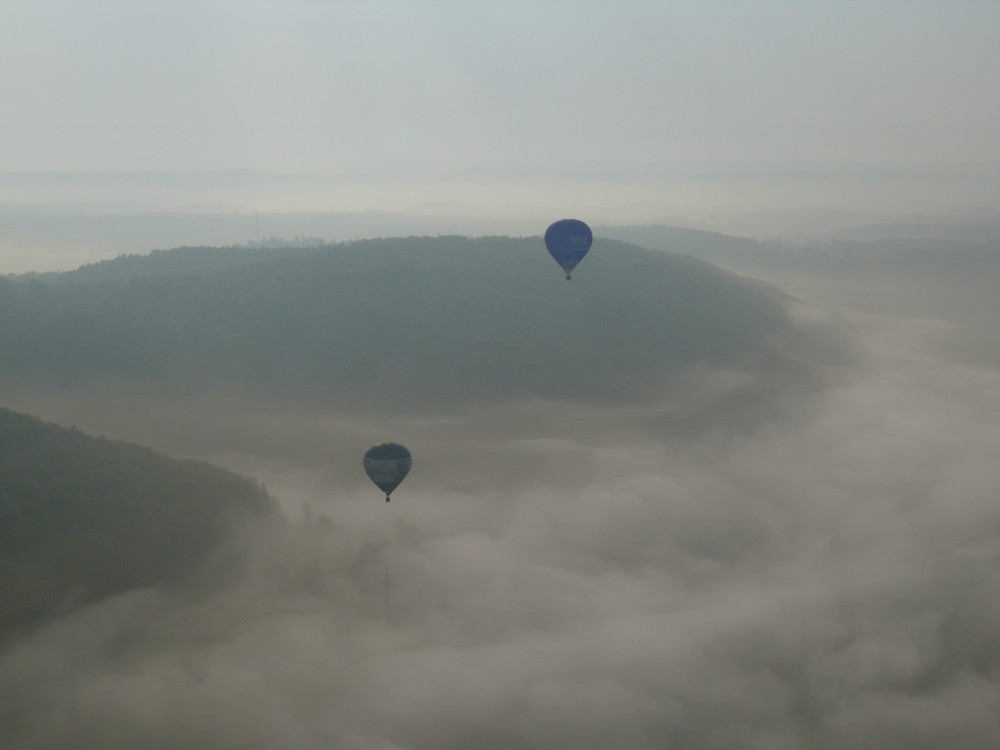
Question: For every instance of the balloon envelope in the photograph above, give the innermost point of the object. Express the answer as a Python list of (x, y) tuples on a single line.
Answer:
[(387, 464), (568, 240)]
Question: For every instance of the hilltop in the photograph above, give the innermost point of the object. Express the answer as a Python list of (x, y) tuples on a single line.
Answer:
[(387, 322)]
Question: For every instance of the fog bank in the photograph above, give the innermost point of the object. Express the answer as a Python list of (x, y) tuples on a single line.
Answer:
[(565, 576)]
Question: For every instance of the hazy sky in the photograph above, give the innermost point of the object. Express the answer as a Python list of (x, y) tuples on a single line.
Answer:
[(821, 576), (426, 88)]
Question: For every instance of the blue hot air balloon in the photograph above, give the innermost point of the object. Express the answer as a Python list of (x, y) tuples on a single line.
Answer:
[(387, 464), (568, 240)]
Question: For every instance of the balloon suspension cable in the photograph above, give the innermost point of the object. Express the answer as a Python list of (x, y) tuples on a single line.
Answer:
[(385, 591)]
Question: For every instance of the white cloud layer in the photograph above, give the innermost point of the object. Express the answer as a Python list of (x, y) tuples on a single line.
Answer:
[(583, 578)]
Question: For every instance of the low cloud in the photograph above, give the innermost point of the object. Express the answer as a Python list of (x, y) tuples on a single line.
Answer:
[(820, 573)]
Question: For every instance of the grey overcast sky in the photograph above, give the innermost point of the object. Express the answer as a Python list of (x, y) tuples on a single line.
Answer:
[(433, 87)]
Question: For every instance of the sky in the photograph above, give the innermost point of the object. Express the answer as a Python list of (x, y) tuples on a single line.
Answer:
[(631, 110)]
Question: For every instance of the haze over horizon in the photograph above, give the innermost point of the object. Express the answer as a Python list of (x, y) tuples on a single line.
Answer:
[(698, 113)]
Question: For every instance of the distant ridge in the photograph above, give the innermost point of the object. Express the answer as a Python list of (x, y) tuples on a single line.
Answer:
[(180, 261), (907, 246)]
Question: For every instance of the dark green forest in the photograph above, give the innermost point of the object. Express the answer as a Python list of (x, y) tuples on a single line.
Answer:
[(413, 322), (82, 518), (388, 322)]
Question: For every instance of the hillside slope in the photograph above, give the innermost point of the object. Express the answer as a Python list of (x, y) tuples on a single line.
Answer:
[(82, 518), (390, 322)]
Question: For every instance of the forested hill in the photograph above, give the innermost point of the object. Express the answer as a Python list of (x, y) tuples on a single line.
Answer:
[(82, 518), (408, 320)]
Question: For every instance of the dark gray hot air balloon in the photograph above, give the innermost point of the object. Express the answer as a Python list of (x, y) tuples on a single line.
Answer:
[(387, 464)]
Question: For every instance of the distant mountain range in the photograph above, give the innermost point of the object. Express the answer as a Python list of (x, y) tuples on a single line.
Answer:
[(83, 518), (905, 246), (406, 321)]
